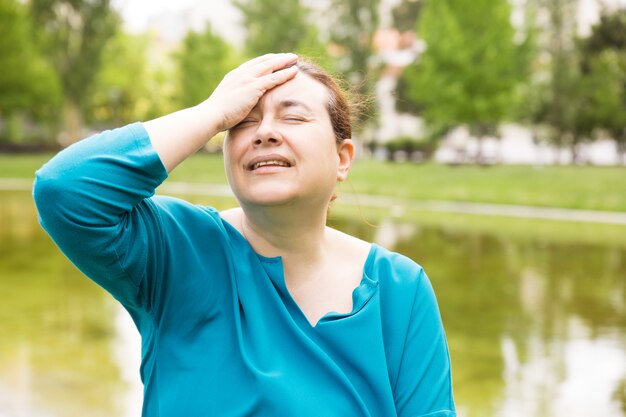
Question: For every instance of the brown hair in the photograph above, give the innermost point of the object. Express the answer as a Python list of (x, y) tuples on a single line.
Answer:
[(338, 106)]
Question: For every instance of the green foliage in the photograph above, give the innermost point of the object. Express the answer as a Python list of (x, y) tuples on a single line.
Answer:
[(27, 82), (406, 14), (603, 64), (608, 33), (121, 85), (202, 62), (163, 87), (563, 104), (472, 66), (74, 33), (410, 145), (276, 26), (353, 24), (555, 97), (312, 49), (586, 91)]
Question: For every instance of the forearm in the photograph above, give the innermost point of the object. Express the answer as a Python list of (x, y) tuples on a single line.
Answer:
[(178, 135)]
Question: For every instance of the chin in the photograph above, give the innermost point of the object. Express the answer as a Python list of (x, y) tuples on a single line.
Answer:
[(267, 197)]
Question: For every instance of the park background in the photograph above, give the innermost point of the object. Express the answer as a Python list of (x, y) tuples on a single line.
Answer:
[(491, 150)]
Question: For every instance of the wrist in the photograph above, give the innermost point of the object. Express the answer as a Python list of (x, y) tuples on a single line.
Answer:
[(211, 117)]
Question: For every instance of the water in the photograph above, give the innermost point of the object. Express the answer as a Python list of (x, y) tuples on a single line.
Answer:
[(536, 329)]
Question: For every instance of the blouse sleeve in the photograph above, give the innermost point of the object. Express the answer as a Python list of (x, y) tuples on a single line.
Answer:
[(92, 199), (424, 385)]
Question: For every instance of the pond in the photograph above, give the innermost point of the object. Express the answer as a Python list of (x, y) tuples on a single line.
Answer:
[(536, 328)]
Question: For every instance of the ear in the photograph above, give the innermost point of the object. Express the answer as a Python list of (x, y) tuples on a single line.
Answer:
[(345, 150)]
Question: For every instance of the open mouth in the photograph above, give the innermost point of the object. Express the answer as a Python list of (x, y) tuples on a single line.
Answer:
[(268, 161)]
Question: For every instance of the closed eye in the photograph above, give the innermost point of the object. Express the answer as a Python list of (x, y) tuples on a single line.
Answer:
[(244, 123), (295, 119)]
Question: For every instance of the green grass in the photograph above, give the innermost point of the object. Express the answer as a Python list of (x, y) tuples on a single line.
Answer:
[(587, 187), (584, 187), (21, 166)]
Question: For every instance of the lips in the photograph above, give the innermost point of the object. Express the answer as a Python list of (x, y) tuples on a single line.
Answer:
[(275, 160)]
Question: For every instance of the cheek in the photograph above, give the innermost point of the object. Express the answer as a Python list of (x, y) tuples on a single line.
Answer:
[(231, 149), (230, 157)]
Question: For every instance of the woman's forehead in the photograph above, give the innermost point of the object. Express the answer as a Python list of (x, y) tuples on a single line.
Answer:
[(301, 91)]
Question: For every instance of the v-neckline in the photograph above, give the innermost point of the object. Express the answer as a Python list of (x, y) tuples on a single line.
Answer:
[(360, 294)]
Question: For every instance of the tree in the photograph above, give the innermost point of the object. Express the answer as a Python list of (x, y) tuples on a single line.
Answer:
[(406, 14), (275, 26), (353, 24), (28, 83), (121, 85), (603, 61), (74, 35), (585, 90), (556, 94), (202, 62), (608, 33), (471, 68)]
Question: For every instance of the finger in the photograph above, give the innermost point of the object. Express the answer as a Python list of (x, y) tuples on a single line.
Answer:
[(263, 58), (257, 60), (269, 81), (273, 64)]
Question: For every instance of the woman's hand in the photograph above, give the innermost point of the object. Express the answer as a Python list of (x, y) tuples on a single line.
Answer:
[(241, 89), (180, 134)]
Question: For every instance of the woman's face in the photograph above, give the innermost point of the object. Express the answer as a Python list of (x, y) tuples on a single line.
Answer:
[(285, 151)]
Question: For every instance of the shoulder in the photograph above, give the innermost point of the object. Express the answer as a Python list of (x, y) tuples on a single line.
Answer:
[(388, 267), (348, 247), (232, 216), (407, 298), (176, 206), (396, 269), (403, 284), (177, 214)]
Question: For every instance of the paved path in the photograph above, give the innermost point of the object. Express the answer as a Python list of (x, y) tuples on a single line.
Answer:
[(532, 212)]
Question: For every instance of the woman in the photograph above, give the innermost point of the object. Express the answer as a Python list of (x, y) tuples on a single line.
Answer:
[(260, 310)]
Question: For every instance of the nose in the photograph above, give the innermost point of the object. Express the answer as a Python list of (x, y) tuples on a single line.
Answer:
[(267, 133)]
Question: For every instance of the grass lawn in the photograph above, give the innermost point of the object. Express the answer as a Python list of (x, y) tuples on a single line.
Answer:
[(584, 187)]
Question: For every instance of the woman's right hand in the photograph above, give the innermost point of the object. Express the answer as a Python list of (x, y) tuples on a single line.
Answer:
[(180, 134), (241, 89)]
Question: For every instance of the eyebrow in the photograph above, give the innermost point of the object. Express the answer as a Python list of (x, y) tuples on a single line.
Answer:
[(294, 103)]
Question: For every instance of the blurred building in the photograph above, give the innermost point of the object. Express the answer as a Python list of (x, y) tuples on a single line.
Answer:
[(516, 145), (169, 22)]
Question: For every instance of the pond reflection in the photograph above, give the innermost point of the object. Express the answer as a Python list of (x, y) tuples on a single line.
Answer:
[(536, 329)]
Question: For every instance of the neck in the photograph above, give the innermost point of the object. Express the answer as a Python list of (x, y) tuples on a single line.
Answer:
[(295, 235)]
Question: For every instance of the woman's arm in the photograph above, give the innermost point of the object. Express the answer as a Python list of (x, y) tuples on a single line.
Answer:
[(93, 197), (178, 135), (424, 382)]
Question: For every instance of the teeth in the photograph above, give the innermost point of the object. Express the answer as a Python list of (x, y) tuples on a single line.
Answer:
[(271, 162)]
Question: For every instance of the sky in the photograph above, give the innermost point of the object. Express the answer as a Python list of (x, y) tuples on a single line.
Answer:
[(137, 12), (224, 16)]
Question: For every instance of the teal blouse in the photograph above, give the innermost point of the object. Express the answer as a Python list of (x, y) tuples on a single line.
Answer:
[(221, 335)]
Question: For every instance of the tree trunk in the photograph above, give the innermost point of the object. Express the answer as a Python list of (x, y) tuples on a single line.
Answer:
[(15, 128), (72, 130), (575, 154), (621, 151), (478, 158)]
